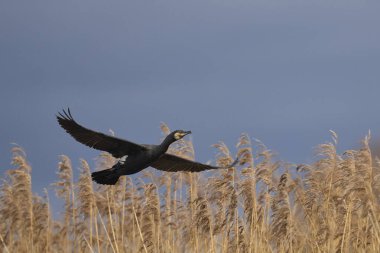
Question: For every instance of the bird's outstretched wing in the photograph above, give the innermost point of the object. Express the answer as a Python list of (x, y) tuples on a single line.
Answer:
[(172, 163), (117, 147)]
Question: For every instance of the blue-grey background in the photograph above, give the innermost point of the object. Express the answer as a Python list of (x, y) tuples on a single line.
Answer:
[(283, 71)]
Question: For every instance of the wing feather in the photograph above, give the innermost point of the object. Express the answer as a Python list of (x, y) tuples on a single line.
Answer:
[(117, 147), (172, 163)]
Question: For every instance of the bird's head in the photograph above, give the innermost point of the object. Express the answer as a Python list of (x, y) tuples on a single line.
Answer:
[(179, 134), (174, 136)]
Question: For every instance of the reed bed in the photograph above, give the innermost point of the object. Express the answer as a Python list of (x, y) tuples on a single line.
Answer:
[(262, 205)]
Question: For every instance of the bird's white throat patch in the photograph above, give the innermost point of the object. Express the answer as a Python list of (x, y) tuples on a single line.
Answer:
[(178, 136)]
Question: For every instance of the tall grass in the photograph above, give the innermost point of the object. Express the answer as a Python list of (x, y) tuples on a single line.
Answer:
[(261, 205)]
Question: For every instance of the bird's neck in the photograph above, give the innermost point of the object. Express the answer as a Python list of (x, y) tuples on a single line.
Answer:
[(166, 143)]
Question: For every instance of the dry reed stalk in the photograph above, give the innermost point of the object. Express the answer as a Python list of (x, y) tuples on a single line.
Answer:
[(111, 225), (65, 189), (9, 216), (203, 223), (106, 233), (247, 188), (41, 222), (3, 244), (151, 220), (22, 193), (139, 229), (86, 206), (224, 195), (167, 213), (332, 205)]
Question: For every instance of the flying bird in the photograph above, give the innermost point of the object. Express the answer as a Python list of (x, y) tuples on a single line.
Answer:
[(132, 157)]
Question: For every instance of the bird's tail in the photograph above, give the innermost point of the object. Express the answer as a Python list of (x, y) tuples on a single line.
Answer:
[(108, 176)]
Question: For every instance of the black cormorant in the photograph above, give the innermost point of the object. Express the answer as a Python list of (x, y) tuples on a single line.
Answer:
[(138, 156)]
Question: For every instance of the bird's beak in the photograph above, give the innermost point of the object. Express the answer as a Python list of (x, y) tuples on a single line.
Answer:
[(187, 132)]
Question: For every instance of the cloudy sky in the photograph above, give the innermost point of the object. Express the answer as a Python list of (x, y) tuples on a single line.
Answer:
[(283, 71)]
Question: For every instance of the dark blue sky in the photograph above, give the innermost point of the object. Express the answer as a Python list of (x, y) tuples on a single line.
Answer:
[(283, 71)]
